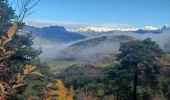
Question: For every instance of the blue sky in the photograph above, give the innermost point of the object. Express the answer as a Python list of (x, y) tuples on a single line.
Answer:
[(135, 13)]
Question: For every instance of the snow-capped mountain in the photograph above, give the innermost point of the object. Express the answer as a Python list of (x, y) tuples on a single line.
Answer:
[(97, 31), (105, 29), (93, 29)]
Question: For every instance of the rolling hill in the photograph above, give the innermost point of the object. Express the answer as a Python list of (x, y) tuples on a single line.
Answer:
[(99, 49)]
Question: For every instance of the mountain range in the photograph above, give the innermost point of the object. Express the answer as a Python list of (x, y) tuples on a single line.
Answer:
[(96, 31), (54, 33), (92, 46), (60, 34)]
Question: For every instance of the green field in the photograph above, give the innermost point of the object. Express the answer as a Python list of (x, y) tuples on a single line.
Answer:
[(60, 64)]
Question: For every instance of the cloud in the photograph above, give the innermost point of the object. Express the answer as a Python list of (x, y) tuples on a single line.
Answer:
[(52, 50)]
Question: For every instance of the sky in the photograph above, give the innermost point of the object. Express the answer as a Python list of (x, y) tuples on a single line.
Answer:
[(134, 13)]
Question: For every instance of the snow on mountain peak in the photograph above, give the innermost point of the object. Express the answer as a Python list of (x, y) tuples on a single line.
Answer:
[(104, 29), (150, 28), (93, 29)]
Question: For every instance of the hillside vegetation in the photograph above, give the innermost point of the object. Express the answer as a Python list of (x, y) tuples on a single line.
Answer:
[(138, 71)]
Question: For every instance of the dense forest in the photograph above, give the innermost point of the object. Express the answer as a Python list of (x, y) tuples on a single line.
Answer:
[(140, 71)]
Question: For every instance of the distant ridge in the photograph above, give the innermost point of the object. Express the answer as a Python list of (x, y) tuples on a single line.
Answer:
[(54, 33), (95, 31)]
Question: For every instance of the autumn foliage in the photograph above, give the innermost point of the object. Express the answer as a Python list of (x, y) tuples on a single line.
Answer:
[(8, 86), (57, 91)]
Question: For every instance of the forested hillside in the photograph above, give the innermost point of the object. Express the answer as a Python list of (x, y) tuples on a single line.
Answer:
[(126, 68)]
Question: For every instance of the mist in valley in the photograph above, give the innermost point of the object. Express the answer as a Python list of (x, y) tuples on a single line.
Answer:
[(104, 44)]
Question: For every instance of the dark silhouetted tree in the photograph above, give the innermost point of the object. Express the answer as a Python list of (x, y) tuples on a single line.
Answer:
[(140, 60)]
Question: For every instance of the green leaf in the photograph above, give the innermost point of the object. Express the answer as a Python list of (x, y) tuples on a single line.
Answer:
[(37, 74), (16, 86), (12, 30), (2, 88)]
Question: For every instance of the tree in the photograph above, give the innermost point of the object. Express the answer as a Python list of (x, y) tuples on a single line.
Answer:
[(24, 8), (58, 91), (6, 16), (15, 49), (140, 59), (62, 93), (22, 45), (8, 85), (118, 83), (24, 51)]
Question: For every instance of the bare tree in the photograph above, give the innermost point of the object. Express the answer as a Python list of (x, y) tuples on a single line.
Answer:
[(24, 8)]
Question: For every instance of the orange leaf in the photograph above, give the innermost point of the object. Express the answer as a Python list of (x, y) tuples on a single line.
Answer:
[(27, 69)]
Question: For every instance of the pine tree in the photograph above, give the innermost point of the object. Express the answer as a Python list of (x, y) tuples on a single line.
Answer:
[(7, 15), (140, 60)]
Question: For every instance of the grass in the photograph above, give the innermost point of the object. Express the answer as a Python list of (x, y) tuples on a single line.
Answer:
[(60, 64)]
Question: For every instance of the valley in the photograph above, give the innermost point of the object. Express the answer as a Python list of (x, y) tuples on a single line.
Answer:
[(98, 47)]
